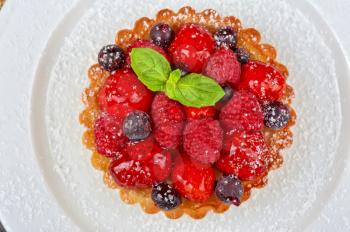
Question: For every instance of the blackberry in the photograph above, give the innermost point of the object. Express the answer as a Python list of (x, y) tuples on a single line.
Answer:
[(242, 55), (226, 37), (165, 196), (137, 125), (276, 115), (111, 57)]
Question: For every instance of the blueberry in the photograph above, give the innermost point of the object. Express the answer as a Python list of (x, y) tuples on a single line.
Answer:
[(161, 34), (226, 37), (111, 57), (242, 55), (229, 189), (228, 94), (165, 196), (137, 125), (276, 115)]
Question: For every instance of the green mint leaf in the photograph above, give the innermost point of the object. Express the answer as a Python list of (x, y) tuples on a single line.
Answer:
[(151, 67), (170, 86), (195, 90)]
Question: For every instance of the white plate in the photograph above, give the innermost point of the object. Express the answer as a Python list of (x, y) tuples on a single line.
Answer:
[(296, 193)]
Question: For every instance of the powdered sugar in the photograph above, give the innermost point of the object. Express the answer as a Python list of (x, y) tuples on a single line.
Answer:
[(293, 192)]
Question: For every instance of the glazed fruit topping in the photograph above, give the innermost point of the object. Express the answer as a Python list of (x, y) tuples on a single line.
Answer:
[(245, 154), (162, 35), (111, 57), (137, 125), (223, 67), (226, 37), (276, 115), (169, 120), (142, 150), (242, 55), (109, 137), (229, 189), (207, 112), (165, 196), (161, 163), (266, 82), (242, 112), (131, 173), (191, 48), (122, 93), (193, 180), (203, 140)]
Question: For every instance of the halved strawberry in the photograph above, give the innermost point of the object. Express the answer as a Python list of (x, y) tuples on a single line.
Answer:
[(142, 150), (193, 180), (123, 93), (245, 154), (191, 48), (266, 82)]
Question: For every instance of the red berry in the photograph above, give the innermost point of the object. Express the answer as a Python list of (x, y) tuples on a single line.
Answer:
[(223, 67), (246, 154), (145, 44), (123, 93), (203, 140), (131, 173), (191, 48), (207, 112), (160, 164), (141, 150), (242, 112), (169, 119), (263, 80), (194, 181), (109, 137)]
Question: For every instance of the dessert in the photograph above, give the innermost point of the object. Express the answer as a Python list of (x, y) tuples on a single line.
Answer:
[(187, 113)]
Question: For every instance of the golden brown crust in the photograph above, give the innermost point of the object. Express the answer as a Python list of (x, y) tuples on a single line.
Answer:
[(248, 38)]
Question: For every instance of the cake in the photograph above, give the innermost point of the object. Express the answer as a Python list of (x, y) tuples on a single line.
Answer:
[(187, 113)]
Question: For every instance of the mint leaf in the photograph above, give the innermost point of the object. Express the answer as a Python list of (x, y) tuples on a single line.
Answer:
[(151, 67), (172, 82), (194, 90)]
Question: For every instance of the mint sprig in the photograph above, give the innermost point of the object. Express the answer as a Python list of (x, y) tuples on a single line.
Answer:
[(154, 71)]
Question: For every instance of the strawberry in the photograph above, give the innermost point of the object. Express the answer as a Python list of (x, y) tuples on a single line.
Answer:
[(266, 82), (245, 154), (169, 120), (145, 44), (207, 112), (131, 173), (109, 138), (242, 112), (203, 140), (141, 150), (194, 181), (191, 48), (122, 93), (223, 67), (161, 164)]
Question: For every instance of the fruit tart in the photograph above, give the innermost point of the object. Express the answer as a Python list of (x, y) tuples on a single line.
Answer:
[(187, 113)]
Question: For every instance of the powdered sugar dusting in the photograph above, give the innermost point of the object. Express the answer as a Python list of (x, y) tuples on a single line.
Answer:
[(293, 191)]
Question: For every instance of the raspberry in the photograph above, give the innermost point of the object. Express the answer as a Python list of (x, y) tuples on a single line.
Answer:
[(141, 150), (168, 118), (191, 48), (223, 67), (203, 140), (109, 138), (242, 112), (122, 93), (145, 44), (131, 173), (194, 181), (160, 164), (246, 154), (266, 82), (207, 112)]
